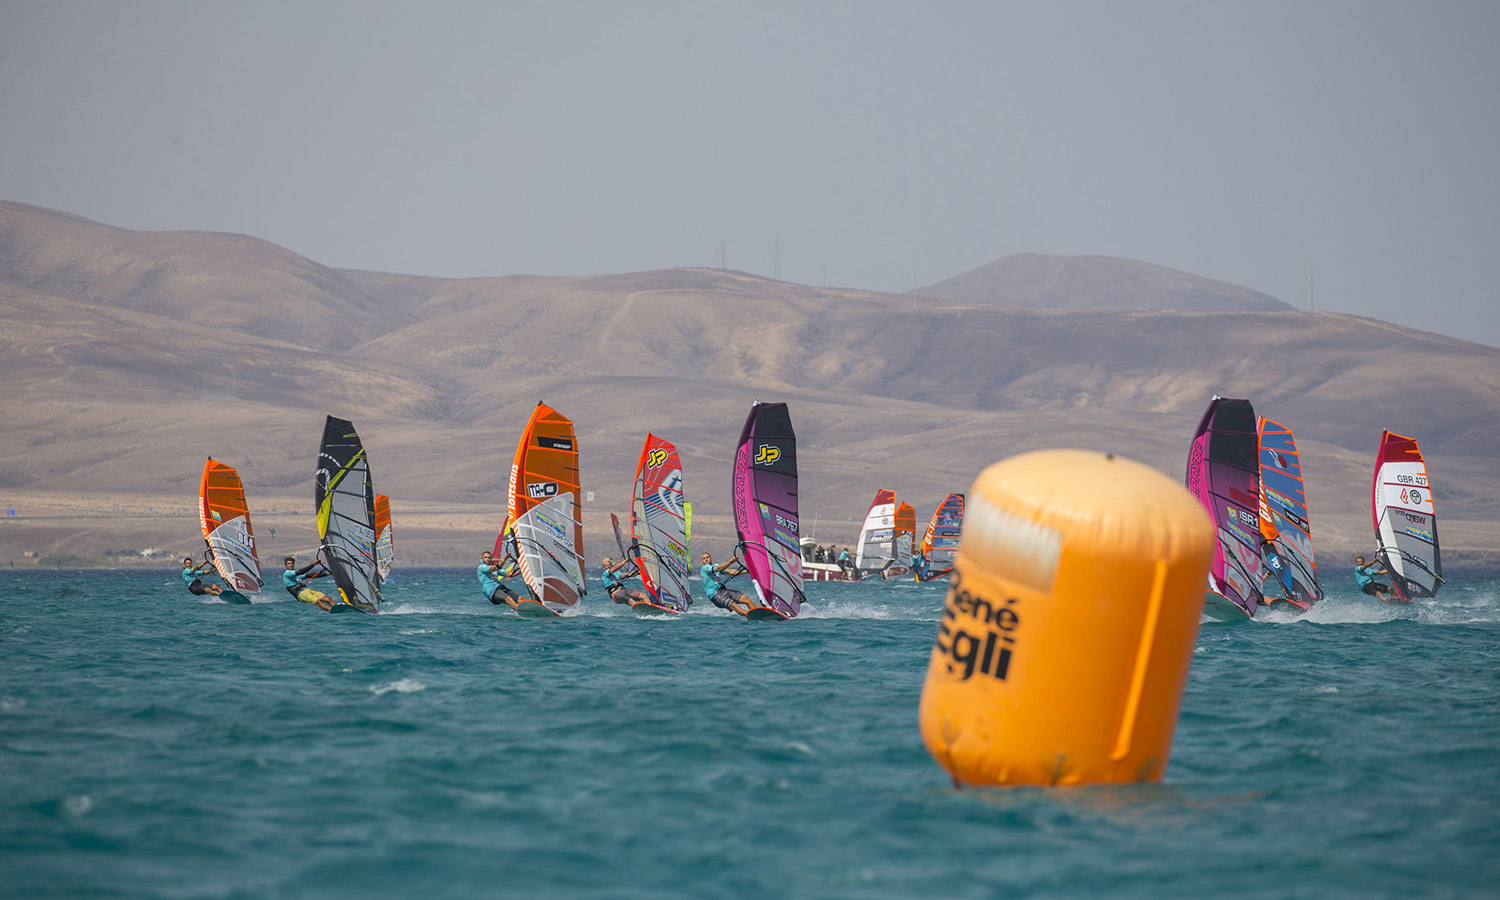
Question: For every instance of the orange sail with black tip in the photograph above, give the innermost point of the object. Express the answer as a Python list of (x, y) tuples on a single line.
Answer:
[(225, 519), (543, 520)]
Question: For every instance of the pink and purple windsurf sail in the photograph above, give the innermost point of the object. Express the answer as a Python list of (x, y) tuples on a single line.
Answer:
[(1224, 474), (765, 507)]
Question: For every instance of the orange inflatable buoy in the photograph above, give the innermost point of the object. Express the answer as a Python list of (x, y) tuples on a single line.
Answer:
[(1069, 625)]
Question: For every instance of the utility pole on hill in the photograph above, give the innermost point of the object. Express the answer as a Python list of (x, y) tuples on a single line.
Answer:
[(776, 254), (723, 255)]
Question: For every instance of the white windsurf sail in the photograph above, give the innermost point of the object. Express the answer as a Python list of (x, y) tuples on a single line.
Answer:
[(874, 548), (1405, 520)]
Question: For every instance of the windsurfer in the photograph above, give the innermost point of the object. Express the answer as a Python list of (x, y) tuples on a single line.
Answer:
[(614, 585), (491, 572), (717, 592), (844, 563), (1364, 578), (296, 580), (192, 577)]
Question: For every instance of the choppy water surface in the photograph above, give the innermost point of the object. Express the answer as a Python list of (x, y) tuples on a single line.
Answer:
[(155, 744)]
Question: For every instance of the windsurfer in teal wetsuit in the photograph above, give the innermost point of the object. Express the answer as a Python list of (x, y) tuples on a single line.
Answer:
[(491, 573), (614, 584), (717, 592), (192, 577), (846, 565), (1364, 578), (296, 580)]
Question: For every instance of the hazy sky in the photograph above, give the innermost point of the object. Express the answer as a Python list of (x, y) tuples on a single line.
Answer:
[(886, 145)]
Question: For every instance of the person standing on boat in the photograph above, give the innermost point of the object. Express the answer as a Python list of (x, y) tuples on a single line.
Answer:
[(843, 561), (719, 593), (192, 576), (491, 572), (1364, 578), (614, 584), (296, 580)]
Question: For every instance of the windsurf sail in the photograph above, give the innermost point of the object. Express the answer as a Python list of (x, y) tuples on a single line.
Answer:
[(905, 533), (345, 500), (385, 547), (658, 524), (1288, 548), (225, 519), (765, 507), (543, 518), (940, 542), (1405, 521), (873, 551), (1223, 472)]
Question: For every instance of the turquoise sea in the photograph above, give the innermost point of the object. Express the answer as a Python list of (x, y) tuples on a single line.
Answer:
[(155, 744)]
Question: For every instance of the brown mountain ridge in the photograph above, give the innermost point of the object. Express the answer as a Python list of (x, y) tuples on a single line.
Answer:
[(129, 357)]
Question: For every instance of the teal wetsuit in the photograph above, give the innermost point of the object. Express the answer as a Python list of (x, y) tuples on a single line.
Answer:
[(292, 579), (613, 583), (711, 582), (1364, 579), (487, 581), (191, 577), (494, 590), (714, 589)]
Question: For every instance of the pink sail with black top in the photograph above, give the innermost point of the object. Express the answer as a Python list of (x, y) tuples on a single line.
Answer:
[(765, 508)]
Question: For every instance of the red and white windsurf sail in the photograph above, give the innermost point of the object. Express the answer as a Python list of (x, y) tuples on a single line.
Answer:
[(1405, 520), (658, 524)]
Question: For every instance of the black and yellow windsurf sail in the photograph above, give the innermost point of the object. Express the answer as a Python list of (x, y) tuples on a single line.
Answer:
[(345, 503)]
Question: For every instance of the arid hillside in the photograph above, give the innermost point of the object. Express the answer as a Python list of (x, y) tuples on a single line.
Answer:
[(1040, 281), (130, 357)]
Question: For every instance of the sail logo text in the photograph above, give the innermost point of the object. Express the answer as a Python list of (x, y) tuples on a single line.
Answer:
[(1419, 480), (542, 489), (658, 456), (986, 650), (767, 455), (556, 529)]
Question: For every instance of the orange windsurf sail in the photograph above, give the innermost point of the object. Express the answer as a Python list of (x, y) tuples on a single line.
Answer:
[(225, 519), (543, 520)]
